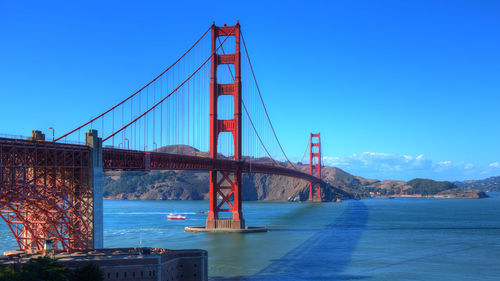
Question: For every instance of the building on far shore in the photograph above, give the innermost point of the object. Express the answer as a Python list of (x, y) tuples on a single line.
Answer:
[(151, 264)]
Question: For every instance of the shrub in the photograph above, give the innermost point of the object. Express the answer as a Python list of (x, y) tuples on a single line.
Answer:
[(48, 269)]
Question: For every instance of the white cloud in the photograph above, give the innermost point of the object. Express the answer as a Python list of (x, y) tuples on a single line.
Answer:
[(469, 166), (395, 166)]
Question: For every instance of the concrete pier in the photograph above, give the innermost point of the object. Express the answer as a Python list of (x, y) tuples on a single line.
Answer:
[(96, 183)]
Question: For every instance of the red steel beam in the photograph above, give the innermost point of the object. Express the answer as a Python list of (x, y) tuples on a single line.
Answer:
[(120, 159), (45, 194), (38, 179)]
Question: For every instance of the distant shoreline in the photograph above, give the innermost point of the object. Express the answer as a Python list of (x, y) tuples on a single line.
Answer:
[(478, 195)]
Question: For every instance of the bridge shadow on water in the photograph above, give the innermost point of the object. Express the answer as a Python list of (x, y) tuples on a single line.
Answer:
[(323, 256)]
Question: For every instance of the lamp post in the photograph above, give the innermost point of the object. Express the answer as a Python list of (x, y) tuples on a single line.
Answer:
[(128, 143), (53, 133)]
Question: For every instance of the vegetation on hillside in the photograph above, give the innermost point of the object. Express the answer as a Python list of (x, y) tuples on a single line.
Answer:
[(131, 184), (48, 269), (428, 187), (193, 185), (489, 184)]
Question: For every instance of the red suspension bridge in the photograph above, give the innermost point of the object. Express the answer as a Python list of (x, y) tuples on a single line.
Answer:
[(204, 112)]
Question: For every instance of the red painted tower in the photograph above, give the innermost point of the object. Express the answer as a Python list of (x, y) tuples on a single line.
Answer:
[(225, 186), (315, 163)]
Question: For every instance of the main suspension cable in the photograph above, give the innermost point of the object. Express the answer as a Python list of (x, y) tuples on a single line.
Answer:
[(178, 87), (246, 111), (262, 100), (304, 155), (131, 96)]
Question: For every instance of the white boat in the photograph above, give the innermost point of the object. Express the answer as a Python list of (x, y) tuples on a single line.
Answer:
[(176, 217)]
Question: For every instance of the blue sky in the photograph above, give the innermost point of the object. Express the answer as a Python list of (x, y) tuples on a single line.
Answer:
[(398, 89)]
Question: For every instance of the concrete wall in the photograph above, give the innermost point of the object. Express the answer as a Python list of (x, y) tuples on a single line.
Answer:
[(96, 177)]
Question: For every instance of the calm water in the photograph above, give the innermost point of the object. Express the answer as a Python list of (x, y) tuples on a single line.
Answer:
[(399, 239)]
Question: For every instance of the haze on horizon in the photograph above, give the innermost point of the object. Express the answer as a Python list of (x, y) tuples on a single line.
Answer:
[(397, 90)]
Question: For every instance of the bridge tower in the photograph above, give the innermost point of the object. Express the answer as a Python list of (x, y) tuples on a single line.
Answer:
[(315, 164), (225, 186)]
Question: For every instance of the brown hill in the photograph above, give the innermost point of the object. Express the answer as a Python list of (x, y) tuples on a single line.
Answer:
[(193, 185)]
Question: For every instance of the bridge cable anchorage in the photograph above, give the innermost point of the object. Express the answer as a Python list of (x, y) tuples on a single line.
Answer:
[(262, 100), (167, 96), (131, 96), (246, 111)]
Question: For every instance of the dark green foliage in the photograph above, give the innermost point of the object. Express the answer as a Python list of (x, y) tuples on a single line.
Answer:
[(107, 180), (47, 269), (8, 273), (131, 184), (428, 187), (41, 268), (87, 273)]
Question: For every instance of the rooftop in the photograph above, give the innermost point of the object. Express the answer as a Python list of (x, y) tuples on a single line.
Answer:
[(90, 255)]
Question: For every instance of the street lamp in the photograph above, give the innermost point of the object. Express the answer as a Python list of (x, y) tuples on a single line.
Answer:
[(53, 133)]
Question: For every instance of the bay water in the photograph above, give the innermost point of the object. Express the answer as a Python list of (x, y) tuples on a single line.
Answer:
[(371, 239)]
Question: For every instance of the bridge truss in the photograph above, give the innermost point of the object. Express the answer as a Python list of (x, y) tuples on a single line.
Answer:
[(45, 194)]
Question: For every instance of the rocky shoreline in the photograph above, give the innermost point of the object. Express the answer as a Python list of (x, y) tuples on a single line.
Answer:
[(464, 195)]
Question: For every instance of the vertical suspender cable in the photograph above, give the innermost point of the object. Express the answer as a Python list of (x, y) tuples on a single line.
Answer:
[(260, 95)]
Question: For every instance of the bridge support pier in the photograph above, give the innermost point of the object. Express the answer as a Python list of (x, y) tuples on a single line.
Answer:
[(96, 184), (225, 189)]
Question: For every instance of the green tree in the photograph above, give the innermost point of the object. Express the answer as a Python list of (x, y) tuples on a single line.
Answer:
[(89, 272), (429, 187), (48, 269)]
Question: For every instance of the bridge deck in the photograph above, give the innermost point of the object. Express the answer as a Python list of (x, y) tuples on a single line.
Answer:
[(119, 159), (122, 159)]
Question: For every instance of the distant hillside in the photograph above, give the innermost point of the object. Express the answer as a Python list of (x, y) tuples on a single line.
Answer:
[(193, 185), (491, 184), (428, 187), (367, 188)]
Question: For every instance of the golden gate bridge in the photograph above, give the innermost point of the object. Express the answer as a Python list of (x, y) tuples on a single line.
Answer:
[(204, 112)]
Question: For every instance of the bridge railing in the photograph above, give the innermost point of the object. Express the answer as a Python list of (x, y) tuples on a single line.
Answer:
[(17, 137), (120, 159)]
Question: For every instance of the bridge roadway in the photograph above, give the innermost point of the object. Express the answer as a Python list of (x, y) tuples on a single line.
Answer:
[(123, 159), (120, 159)]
